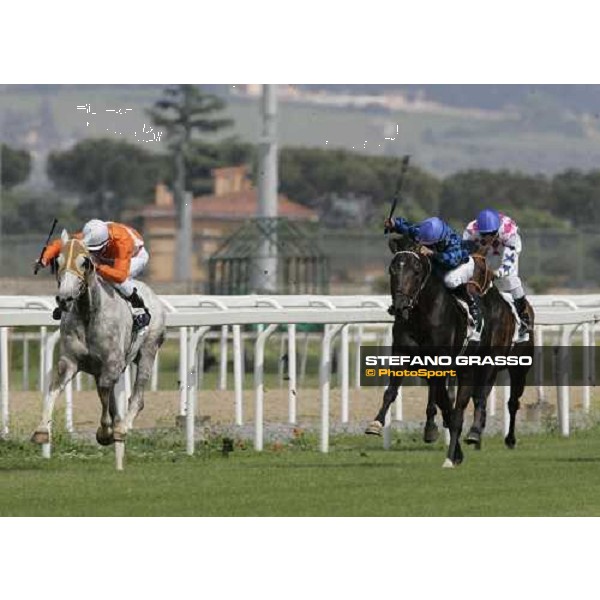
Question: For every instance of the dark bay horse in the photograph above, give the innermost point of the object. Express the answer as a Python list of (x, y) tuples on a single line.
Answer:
[(496, 338), (426, 315)]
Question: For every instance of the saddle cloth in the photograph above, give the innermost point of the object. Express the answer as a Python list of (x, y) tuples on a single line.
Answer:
[(507, 297)]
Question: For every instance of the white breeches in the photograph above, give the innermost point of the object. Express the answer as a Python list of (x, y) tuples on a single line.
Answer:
[(138, 264), (460, 275), (512, 284), (506, 264)]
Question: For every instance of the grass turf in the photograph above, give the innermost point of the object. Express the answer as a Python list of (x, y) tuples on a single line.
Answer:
[(544, 476)]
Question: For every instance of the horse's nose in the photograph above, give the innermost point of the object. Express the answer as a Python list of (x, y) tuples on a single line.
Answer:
[(401, 302)]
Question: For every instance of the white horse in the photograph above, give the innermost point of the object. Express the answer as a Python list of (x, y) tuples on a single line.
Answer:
[(97, 337)]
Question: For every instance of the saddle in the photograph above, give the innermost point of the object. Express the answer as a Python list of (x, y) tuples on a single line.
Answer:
[(482, 282)]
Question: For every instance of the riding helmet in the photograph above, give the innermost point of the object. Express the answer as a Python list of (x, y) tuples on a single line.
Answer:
[(95, 234), (431, 231), (488, 221)]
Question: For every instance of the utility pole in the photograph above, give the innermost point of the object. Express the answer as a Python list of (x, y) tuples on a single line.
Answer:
[(185, 239), (182, 259), (266, 276), (1, 236)]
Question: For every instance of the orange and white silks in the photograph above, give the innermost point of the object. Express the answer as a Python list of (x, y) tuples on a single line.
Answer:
[(114, 260)]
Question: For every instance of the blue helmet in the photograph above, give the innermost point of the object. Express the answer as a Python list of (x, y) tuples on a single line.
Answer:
[(431, 231), (488, 221)]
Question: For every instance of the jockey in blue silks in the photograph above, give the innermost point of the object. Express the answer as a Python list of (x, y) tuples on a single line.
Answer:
[(449, 254)]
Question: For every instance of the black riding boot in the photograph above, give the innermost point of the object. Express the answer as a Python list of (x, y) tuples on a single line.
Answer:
[(57, 312), (142, 320), (474, 304), (521, 306)]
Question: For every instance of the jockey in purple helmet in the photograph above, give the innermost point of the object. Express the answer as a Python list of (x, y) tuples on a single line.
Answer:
[(449, 254), (501, 236)]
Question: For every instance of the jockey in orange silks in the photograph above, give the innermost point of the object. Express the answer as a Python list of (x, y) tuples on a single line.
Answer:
[(118, 253)]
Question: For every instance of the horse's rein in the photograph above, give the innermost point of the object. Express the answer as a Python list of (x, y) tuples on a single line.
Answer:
[(487, 278), (71, 262)]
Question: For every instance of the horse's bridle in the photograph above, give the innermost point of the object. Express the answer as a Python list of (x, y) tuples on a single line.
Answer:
[(71, 267), (412, 300), (487, 279)]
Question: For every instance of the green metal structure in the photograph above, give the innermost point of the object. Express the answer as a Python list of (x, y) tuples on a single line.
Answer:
[(297, 264)]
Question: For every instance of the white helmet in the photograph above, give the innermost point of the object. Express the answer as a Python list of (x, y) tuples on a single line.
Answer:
[(95, 235)]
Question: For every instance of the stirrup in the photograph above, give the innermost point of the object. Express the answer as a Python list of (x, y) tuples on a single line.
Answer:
[(141, 321), (475, 335), (523, 331)]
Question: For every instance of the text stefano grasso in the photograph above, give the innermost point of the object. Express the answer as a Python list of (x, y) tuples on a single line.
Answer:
[(447, 361)]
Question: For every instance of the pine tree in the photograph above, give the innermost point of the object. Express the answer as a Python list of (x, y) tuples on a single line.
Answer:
[(187, 113)]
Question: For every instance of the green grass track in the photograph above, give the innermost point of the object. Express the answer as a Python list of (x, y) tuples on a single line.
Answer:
[(545, 476)]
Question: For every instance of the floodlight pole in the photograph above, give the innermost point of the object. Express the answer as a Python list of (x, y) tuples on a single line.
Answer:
[(266, 276), (1, 238)]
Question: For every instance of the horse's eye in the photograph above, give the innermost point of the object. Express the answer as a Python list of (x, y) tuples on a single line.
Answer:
[(80, 261)]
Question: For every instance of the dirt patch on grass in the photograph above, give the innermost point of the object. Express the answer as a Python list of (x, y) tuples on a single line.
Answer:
[(161, 408)]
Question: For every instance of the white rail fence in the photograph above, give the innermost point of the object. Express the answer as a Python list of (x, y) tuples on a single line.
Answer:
[(191, 317)]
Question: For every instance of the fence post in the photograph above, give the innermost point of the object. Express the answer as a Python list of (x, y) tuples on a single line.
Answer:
[(586, 367), (25, 362), (538, 341), (237, 374), (292, 397), (4, 376), (43, 333), (325, 380), (183, 369), (223, 359), (345, 375), (358, 340), (259, 385)]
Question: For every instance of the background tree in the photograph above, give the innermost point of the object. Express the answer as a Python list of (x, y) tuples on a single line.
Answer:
[(465, 193), (110, 176), (16, 166), (311, 176), (186, 112), (577, 197), (26, 212), (202, 158)]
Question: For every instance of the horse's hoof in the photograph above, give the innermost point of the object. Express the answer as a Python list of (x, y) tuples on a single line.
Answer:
[(431, 434), (105, 437), (41, 436), (510, 442), (448, 464), (374, 428), (474, 438)]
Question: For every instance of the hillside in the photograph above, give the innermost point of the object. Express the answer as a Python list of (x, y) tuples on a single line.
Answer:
[(546, 129)]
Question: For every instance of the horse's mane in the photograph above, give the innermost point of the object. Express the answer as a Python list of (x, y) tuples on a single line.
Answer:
[(398, 243)]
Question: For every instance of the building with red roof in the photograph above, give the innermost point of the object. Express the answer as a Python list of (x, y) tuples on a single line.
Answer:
[(233, 202)]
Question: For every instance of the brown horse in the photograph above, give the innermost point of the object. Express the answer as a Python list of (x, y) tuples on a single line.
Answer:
[(497, 338), (428, 316)]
